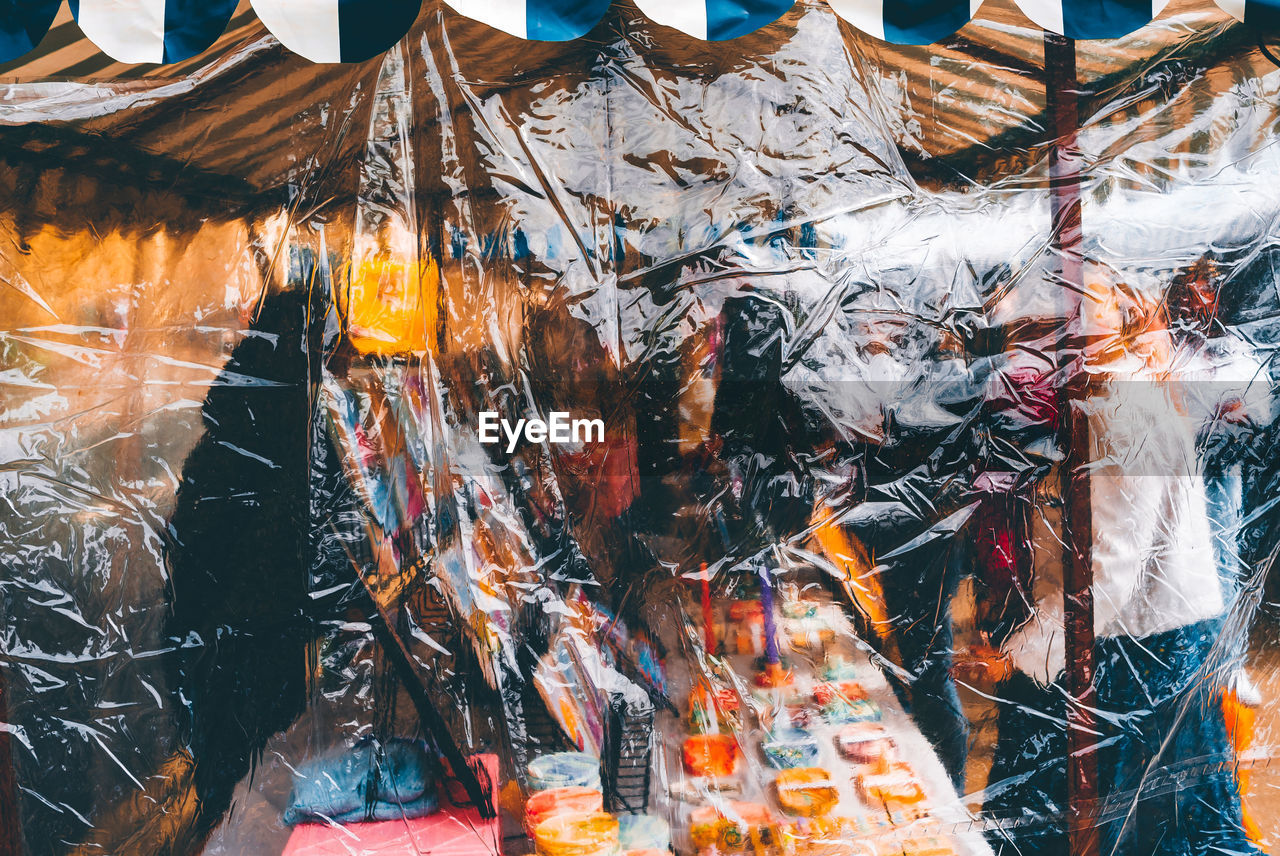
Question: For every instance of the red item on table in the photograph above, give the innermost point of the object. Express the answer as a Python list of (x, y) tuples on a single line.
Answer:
[(726, 701), (713, 755), (774, 676), (866, 744), (545, 804), (847, 690)]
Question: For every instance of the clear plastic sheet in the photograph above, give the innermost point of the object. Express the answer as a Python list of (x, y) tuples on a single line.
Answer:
[(850, 410)]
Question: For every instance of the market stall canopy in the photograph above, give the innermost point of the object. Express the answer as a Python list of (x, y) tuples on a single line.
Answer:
[(970, 102), (167, 31)]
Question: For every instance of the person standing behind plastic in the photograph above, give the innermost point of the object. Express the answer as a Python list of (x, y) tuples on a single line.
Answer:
[(898, 397), (1228, 393), (1165, 778)]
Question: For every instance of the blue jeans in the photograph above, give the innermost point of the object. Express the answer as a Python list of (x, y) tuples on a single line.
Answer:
[(1224, 498), (1166, 770)]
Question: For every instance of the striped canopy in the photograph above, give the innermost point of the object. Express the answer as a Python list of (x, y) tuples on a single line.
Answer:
[(165, 31)]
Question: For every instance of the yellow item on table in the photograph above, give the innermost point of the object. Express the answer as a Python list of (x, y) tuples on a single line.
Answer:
[(806, 791), (746, 619), (742, 826), (829, 835), (898, 787), (593, 834)]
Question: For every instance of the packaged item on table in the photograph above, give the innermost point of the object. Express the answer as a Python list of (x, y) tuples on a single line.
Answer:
[(702, 717), (898, 786), (800, 716), (726, 702), (866, 743), (577, 835), (806, 791), (901, 814), (643, 832), (806, 624), (775, 685), (710, 755), (746, 620), (712, 711), (739, 826), (858, 710), (828, 691), (845, 701), (557, 801), (775, 676), (837, 668), (691, 790), (840, 847), (828, 835), (564, 770), (790, 748), (810, 633), (799, 609)]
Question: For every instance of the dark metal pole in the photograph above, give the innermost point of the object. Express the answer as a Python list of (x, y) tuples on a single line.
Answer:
[(1063, 109), (464, 770), (10, 822)]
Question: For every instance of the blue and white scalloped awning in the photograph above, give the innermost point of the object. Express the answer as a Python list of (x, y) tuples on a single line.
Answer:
[(160, 31)]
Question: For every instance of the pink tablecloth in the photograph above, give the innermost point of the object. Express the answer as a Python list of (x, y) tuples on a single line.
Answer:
[(450, 832)]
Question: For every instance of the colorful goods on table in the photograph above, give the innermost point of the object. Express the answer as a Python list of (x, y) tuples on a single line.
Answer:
[(570, 819), (736, 827), (794, 742), (790, 748), (866, 744), (788, 742), (574, 800)]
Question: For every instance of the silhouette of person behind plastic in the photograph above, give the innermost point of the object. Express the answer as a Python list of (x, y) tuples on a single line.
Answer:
[(262, 511)]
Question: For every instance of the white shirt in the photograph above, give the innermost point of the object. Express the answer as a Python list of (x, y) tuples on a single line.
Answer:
[(1221, 370), (1153, 566)]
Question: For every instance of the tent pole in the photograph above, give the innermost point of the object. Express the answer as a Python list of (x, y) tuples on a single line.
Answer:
[(10, 822), (1062, 106)]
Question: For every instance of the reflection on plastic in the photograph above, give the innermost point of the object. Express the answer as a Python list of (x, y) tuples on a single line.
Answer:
[(805, 593)]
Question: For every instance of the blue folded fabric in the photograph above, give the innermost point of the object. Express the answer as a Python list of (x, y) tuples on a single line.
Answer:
[(368, 781)]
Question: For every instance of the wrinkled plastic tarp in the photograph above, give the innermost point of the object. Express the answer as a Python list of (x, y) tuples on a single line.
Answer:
[(862, 414)]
